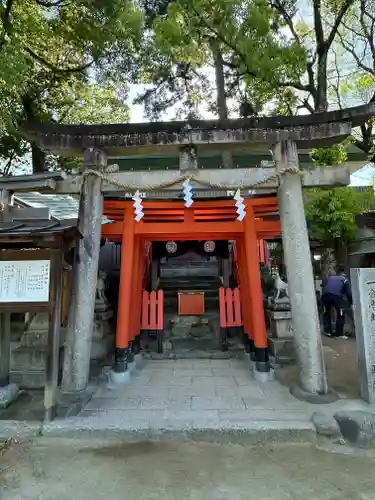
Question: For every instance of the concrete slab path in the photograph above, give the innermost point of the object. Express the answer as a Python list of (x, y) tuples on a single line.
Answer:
[(199, 398)]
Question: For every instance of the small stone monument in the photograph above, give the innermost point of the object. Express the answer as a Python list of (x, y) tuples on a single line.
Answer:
[(102, 336), (29, 356), (280, 339), (363, 289)]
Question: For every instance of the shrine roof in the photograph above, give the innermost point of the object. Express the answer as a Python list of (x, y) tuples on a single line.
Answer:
[(317, 130), (61, 206), (37, 234)]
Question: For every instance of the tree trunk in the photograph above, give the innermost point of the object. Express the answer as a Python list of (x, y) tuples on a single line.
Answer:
[(221, 100), (220, 86), (38, 159), (328, 262), (321, 99)]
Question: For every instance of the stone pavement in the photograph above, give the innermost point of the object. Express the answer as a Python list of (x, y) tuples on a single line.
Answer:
[(202, 398)]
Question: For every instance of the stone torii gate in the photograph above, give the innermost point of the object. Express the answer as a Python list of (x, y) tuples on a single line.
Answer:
[(283, 135)]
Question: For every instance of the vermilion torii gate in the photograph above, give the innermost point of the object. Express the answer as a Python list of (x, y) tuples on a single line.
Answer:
[(282, 135), (205, 220)]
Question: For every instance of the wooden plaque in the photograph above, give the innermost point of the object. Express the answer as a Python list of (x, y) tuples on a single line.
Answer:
[(190, 303)]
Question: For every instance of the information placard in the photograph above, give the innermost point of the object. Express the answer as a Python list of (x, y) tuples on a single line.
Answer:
[(24, 281)]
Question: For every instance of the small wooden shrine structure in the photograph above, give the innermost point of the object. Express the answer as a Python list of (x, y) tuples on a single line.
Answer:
[(31, 280)]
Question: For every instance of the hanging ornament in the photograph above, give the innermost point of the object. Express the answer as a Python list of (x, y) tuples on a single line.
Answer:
[(171, 246), (240, 205), (188, 195), (138, 207), (209, 246)]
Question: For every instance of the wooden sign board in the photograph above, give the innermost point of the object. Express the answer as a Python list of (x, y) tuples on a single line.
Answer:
[(24, 281), (190, 303)]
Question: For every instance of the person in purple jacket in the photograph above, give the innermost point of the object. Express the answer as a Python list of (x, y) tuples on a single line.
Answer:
[(335, 289)]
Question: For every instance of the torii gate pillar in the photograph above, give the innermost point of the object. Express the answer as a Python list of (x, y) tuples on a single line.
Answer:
[(307, 335), (85, 273)]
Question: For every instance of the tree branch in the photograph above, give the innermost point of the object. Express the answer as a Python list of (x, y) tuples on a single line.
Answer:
[(336, 86), (51, 66), (318, 25), (287, 18), (344, 9), (352, 51), (368, 34), (57, 3), (6, 22), (242, 57)]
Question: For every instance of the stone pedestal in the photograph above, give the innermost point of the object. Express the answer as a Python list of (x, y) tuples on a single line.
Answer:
[(102, 335), (280, 338), (28, 360)]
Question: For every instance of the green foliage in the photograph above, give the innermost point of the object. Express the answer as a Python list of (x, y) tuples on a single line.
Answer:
[(186, 36), (68, 63), (331, 213), (335, 155)]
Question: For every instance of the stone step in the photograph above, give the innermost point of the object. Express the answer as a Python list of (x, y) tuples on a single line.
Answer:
[(205, 264), (174, 293), (176, 282), (182, 272), (199, 286), (195, 284), (195, 343), (188, 279)]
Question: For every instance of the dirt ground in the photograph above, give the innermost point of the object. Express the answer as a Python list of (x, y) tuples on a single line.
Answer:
[(56, 469), (341, 366)]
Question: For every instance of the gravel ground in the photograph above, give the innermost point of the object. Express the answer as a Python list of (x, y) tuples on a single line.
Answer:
[(60, 469)]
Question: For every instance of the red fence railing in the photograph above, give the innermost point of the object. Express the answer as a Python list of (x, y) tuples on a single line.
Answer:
[(230, 307), (152, 318)]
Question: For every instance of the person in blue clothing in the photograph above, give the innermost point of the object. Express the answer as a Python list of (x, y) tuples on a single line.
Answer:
[(335, 289)]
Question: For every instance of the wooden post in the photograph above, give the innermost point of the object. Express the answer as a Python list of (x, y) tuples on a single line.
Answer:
[(262, 256), (85, 272), (5, 202), (134, 296), (4, 348), (138, 304), (53, 342), (256, 296), (245, 298), (125, 293)]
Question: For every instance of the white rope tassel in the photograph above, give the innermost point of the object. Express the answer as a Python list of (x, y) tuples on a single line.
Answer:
[(188, 195), (138, 207), (240, 205)]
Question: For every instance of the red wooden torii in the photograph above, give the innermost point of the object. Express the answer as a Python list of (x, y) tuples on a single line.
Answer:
[(205, 220)]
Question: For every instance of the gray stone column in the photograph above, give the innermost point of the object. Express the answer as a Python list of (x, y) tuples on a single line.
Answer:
[(85, 273), (297, 257)]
